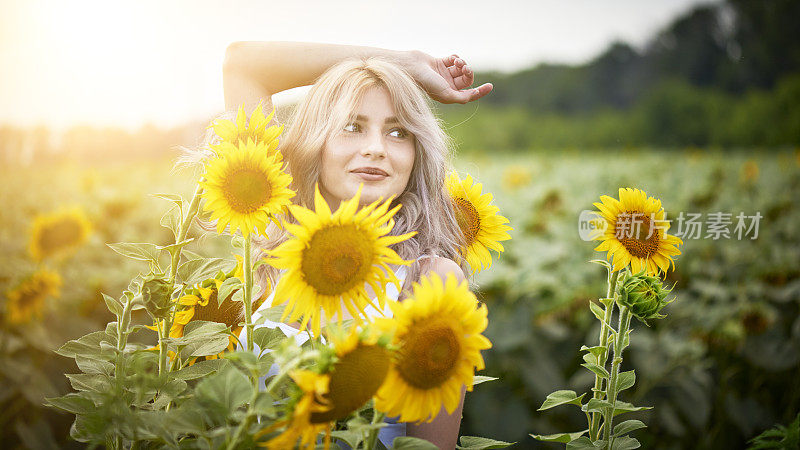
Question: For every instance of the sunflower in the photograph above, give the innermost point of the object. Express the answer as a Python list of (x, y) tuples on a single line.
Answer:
[(201, 303), (245, 187), (313, 387), (244, 130), (437, 333), (332, 257), (516, 176), (26, 301), (634, 232), (58, 233), (360, 365), (480, 222)]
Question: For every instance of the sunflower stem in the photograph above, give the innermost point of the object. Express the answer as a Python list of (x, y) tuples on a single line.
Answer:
[(187, 222), (377, 417), (162, 349), (248, 293), (173, 270), (594, 423), (619, 347)]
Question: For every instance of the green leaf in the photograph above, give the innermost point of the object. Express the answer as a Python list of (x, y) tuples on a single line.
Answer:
[(628, 426), (201, 328), (74, 403), (582, 443), (172, 221), (113, 305), (227, 288), (478, 379), (559, 437), (350, 437), (597, 311), (88, 346), (597, 350), (144, 251), (174, 198), (274, 313), (224, 391), (561, 398), (598, 370), (602, 262), (625, 443), (172, 247), (412, 443), (596, 405), (626, 380), (481, 443), (198, 270), (202, 338), (209, 346), (268, 338), (168, 392), (186, 419), (625, 407), (199, 369), (94, 366), (89, 382), (264, 404)]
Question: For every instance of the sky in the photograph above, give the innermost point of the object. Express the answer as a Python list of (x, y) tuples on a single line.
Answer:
[(115, 63)]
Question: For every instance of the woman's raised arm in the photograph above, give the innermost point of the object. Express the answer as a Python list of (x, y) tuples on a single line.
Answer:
[(254, 71)]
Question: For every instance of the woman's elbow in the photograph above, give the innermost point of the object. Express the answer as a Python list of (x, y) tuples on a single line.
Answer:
[(233, 58)]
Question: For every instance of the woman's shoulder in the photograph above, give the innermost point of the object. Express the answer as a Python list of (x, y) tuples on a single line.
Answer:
[(442, 266)]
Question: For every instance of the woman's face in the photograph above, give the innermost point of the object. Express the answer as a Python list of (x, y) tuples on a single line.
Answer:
[(373, 150)]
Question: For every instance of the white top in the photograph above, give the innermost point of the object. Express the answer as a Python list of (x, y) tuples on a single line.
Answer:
[(391, 292)]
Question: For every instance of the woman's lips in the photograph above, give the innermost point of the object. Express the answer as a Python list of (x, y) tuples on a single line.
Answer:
[(370, 174)]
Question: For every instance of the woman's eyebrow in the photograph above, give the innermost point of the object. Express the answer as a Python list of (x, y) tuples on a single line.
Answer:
[(392, 119)]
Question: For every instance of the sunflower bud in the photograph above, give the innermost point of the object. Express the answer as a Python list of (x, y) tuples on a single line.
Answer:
[(644, 296), (156, 296)]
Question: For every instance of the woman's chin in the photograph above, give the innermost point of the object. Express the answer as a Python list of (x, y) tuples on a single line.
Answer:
[(370, 194)]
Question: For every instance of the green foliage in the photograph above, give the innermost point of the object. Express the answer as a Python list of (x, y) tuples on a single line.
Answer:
[(783, 437), (673, 113)]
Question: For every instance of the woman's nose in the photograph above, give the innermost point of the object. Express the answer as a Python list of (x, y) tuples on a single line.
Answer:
[(375, 146)]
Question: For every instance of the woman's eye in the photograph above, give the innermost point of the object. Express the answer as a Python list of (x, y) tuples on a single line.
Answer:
[(398, 133), (352, 127)]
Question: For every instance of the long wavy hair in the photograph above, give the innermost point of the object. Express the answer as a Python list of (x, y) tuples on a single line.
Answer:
[(327, 108)]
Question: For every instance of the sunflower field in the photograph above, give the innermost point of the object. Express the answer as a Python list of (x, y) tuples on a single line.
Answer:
[(717, 371)]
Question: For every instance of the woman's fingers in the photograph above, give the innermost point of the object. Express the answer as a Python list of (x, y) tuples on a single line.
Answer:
[(481, 91), (460, 79), (450, 60), (466, 78), (466, 95)]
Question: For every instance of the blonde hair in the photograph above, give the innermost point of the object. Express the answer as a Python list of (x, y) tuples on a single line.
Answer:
[(328, 107)]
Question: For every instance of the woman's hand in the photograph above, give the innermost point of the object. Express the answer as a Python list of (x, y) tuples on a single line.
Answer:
[(446, 80)]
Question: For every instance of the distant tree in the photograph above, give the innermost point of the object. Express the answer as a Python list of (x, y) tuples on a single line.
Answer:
[(766, 39)]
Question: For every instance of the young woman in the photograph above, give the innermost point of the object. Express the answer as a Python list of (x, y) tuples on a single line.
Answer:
[(366, 121)]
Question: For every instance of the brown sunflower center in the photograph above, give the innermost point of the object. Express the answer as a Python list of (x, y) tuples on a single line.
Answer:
[(337, 258), (467, 218), (246, 189), (356, 377), (229, 313), (637, 234), (60, 234), (429, 354)]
